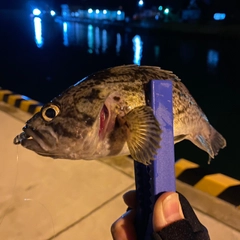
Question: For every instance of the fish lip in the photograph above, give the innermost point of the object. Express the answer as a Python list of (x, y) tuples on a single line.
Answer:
[(18, 139), (33, 140), (30, 132)]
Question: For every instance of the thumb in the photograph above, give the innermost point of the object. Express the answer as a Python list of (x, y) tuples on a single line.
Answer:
[(167, 210)]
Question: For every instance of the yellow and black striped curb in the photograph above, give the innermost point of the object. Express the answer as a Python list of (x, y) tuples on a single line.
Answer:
[(215, 184), (20, 101)]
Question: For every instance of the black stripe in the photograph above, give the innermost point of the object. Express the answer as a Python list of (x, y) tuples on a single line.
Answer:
[(231, 195), (5, 96), (193, 175), (18, 102), (32, 107)]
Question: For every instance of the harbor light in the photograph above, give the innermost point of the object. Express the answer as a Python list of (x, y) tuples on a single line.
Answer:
[(104, 11), (90, 10), (52, 13), (219, 16), (140, 3), (166, 11), (119, 12), (36, 12), (97, 11)]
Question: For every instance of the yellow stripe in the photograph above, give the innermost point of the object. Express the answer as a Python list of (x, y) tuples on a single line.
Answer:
[(12, 99), (38, 109), (182, 165), (214, 184), (25, 104), (3, 92)]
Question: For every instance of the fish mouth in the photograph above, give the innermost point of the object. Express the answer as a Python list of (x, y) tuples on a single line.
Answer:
[(32, 140)]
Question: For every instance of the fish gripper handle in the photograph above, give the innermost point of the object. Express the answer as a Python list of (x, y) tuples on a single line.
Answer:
[(158, 177)]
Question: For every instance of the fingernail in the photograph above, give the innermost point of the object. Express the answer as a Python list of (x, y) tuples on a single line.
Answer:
[(172, 210)]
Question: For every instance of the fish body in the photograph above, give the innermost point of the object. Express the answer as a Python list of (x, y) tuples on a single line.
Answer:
[(105, 114)]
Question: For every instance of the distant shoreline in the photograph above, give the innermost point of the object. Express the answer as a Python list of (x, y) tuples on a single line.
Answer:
[(214, 29), (217, 30)]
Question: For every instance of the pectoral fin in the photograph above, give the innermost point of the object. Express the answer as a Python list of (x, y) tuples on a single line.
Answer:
[(143, 134)]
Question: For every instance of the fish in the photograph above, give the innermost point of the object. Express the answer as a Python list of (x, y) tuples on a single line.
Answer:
[(106, 114)]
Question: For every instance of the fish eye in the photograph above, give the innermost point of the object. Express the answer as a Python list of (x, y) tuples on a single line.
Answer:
[(50, 112)]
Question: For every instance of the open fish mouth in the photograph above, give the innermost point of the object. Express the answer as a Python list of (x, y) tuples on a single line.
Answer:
[(18, 139), (31, 139)]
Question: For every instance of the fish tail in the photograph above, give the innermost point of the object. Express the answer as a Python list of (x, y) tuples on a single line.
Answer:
[(217, 141), (208, 139)]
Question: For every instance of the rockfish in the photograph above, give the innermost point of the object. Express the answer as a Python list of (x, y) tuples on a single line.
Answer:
[(105, 114)]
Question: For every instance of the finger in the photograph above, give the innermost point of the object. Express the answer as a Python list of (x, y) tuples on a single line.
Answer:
[(123, 228), (130, 199), (167, 210)]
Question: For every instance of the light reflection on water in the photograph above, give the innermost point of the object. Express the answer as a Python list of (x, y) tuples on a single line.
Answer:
[(104, 40), (38, 31), (119, 43), (65, 34), (98, 40), (90, 38), (212, 59), (137, 49), (156, 52), (76, 34)]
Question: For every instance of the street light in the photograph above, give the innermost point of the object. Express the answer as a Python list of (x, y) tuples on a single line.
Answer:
[(36, 12), (90, 10), (140, 3), (53, 13), (166, 11)]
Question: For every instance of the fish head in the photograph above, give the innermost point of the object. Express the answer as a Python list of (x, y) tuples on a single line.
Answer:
[(71, 126)]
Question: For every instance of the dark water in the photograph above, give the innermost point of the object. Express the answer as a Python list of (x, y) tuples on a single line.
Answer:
[(41, 59)]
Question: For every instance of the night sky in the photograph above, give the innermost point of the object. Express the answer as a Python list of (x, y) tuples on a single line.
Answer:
[(116, 3)]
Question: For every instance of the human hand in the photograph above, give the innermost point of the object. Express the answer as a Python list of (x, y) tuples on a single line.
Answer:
[(173, 219)]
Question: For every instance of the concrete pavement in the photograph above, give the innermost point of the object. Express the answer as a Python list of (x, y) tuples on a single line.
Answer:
[(42, 198)]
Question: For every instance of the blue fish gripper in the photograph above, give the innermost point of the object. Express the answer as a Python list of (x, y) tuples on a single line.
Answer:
[(158, 177)]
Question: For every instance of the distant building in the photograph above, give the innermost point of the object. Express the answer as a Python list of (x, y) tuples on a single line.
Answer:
[(95, 14), (192, 13)]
